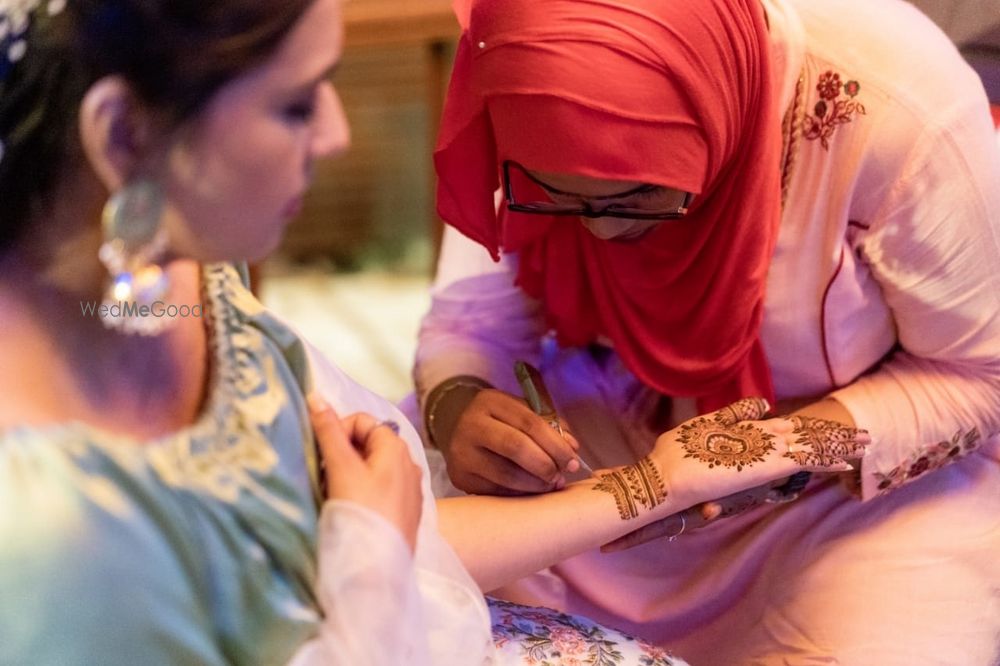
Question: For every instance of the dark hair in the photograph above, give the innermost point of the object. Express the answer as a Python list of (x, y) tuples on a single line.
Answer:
[(174, 53)]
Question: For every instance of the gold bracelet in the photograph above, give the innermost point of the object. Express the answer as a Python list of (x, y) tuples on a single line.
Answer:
[(440, 391)]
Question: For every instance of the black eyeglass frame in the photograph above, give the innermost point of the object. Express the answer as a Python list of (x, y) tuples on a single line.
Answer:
[(585, 209)]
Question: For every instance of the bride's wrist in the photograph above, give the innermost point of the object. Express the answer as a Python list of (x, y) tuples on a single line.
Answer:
[(671, 500), (638, 490)]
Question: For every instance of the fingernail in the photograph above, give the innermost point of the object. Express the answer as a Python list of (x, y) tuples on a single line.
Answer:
[(573, 466), (316, 403), (863, 437), (560, 483)]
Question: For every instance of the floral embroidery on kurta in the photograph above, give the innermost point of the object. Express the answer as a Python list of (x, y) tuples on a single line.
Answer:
[(832, 110), (936, 456), (550, 638)]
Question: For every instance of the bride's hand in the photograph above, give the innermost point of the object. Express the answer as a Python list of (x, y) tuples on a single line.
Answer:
[(730, 450), (368, 463)]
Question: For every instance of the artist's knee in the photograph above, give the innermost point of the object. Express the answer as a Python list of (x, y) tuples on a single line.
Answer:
[(916, 612)]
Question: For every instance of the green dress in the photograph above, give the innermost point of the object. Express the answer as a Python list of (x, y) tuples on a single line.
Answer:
[(198, 548)]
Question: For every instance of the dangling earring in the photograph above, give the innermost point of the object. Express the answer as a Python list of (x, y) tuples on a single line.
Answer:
[(133, 243)]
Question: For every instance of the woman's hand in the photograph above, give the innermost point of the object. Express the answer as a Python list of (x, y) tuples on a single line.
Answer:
[(500, 447), (723, 453), (700, 515), (368, 463), (689, 520)]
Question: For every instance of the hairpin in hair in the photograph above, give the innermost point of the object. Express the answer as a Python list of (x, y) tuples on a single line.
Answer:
[(15, 19)]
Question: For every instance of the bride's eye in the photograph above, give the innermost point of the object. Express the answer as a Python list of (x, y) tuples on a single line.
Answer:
[(302, 110)]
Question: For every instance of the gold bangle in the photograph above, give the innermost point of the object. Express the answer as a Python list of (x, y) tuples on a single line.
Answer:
[(440, 391)]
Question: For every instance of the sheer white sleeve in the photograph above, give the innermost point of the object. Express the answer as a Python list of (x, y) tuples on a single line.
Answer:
[(367, 590), (380, 605)]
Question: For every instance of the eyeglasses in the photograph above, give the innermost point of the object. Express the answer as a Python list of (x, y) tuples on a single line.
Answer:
[(517, 178)]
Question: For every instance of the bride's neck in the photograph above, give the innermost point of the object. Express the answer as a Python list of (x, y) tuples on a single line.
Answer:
[(64, 364)]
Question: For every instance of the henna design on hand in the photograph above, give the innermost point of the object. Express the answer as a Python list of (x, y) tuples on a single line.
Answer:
[(718, 444), (747, 409), (634, 486), (823, 443)]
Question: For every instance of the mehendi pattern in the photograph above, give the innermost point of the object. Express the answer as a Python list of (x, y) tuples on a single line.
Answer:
[(822, 443), (634, 486), (830, 112), (544, 637), (747, 409), (724, 445), (934, 457)]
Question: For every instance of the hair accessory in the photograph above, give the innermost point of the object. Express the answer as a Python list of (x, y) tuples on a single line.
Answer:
[(15, 19), (673, 537), (134, 242)]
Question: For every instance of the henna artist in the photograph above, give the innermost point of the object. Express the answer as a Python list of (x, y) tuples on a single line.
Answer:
[(702, 200)]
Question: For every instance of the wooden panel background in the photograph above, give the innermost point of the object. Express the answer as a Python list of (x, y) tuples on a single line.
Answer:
[(374, 204)]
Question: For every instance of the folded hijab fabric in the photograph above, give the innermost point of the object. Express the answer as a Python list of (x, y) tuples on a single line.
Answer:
[(672, 92)]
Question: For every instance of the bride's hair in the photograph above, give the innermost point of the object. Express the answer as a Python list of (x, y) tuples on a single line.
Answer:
[(173, 53)]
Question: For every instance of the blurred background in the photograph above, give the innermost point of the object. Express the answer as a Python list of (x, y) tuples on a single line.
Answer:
[(354, 271)]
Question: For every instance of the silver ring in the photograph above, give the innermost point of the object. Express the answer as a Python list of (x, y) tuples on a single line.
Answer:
[(388, 423), (672, 538)]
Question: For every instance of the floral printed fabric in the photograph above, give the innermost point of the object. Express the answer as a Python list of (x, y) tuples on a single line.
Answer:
[(936, 456), (543, 637)]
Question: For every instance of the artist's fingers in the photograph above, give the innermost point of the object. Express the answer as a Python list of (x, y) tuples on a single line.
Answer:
[(710, 511), (671, 526), (532, 442)]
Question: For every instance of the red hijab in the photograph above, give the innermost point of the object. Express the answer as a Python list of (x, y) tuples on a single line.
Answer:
[(672, 92)]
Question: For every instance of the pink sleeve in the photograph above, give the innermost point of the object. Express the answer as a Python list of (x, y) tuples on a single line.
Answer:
[(479, 322), (935, 252)]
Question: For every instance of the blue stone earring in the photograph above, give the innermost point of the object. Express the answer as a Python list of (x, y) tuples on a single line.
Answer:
[(133, 243)]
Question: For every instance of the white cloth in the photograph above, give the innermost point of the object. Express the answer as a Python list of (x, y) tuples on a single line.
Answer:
[(885, 290), (384, 608)]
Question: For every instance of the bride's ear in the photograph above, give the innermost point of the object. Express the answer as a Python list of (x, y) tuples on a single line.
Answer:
[(115, 131)]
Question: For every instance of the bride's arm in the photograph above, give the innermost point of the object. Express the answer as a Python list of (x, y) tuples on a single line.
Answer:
[(500, 539)]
